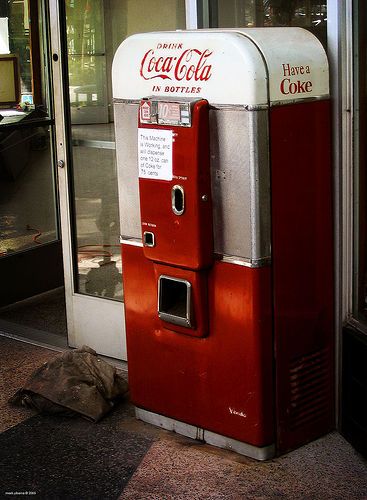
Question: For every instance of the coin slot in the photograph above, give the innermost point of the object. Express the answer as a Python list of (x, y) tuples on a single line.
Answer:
[(178, 200)]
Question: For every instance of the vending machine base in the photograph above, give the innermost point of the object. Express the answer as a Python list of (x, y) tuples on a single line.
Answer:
[(205, 436)]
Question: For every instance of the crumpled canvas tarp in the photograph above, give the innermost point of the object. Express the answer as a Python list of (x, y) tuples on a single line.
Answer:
[(74, 382)]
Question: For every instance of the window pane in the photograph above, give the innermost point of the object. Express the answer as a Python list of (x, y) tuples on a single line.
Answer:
[(21, 39), (308, 14), (27, 196), (20, 42), (95, 29), (27, 185)]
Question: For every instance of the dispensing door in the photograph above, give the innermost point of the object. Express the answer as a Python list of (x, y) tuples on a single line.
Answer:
[(176, 208)]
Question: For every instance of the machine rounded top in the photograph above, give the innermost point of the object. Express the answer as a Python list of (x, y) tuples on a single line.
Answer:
[(252, 67)]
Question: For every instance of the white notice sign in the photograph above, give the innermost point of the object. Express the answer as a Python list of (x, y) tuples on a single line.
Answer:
[(155, 154)]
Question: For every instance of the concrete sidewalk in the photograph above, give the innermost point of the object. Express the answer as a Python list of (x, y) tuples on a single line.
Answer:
[(120, 457)]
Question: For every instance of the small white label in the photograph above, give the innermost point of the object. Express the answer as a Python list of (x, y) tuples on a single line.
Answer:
[(155, 154), (145, 113), (238, 413)]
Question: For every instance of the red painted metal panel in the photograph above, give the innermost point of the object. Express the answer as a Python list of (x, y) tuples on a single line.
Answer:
[(302, 253), (182, 240), (223, 382)]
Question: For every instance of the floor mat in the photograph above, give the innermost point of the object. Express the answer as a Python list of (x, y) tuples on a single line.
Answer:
[(54, 457)]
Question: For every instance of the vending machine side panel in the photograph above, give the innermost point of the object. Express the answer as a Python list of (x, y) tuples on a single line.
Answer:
[(126, 125), (302, 246)]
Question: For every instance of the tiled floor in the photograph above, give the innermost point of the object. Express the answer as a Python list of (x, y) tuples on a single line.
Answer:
[(120, 457)]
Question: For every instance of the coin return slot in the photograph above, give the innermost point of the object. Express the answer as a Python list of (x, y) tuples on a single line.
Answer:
[(149, 239), (178, 200), (174, 301)]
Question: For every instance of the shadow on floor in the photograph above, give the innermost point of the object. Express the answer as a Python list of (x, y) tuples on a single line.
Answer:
[(120, 457), (44, 312), (39, 320)]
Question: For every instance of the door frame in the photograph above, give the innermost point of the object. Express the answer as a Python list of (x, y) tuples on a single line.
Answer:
[(340, 54), (83, 312)]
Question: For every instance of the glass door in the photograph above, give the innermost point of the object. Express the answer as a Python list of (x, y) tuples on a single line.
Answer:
[(30, 256), (93, 30)]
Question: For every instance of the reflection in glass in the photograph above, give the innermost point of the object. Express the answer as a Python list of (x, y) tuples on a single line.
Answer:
[(22, 36), (310, 14), (97, 224), (86, 61), (95, 29), (27, 198), (27, 187), (20, 41)]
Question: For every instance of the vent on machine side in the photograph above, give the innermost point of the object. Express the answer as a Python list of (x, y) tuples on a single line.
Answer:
[(309, 379)]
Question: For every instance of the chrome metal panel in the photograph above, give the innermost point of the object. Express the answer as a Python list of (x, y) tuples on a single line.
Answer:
[(168, 423), (126, 137), (193, 432), (264, 453), (240, 183), (240, 261), (134, 242), (86, 143), (159, 110)]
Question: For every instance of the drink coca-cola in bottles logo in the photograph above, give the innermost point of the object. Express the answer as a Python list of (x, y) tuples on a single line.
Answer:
[(176, 69)]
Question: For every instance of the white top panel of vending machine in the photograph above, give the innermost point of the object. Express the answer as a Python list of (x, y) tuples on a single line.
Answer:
[(250, 67)]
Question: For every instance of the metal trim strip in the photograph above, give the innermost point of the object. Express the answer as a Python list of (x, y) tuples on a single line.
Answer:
[(198, 433), (118, 100), (243, 261), (229, 259), (87, 143), (249, 450), (237, 107), (27, 123), (299, 101), (135, 242)]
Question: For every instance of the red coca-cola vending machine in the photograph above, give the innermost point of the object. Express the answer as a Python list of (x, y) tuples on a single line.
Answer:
[(223, 158)]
